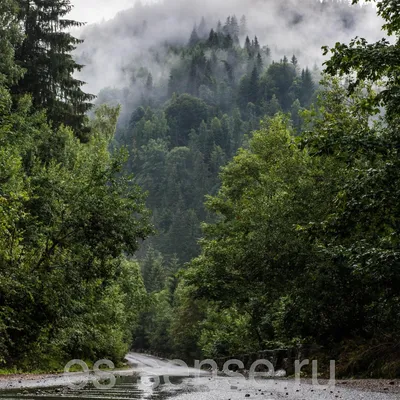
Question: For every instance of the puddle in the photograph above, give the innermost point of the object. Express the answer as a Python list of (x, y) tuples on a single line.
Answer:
[(126, 387)]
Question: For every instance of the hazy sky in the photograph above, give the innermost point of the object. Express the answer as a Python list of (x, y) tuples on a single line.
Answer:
[(113, 54), (95, 10)]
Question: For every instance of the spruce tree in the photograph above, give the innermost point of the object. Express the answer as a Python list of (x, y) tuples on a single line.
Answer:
[(227, 27), (149, 83), (307, 88), (45, 54), (257, 47), (234, 28), (194, 37), (202, 31), (243, 26), (259, 63), (247, 45), (254, 86), (228, 42), (213, 39)]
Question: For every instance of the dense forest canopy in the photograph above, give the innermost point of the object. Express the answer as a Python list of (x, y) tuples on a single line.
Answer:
[(237, 203)]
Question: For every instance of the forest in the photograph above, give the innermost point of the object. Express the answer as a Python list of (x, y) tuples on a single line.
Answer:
[(227, 198)]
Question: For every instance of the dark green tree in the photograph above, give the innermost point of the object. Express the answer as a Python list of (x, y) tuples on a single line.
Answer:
[(46, 56), (194, 37), (10, 38), (254, 86)]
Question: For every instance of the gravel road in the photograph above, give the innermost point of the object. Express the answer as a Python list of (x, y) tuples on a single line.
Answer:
[(152, 378)]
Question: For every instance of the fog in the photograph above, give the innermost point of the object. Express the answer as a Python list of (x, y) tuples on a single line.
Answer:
[(133, 41), (91, 11)]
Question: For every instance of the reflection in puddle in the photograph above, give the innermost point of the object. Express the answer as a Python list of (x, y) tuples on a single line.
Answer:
[(126, 387)]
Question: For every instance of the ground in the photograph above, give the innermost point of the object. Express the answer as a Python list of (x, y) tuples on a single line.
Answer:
[(154, 378)]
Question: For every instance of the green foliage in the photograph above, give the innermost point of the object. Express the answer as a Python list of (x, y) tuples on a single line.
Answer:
[(362, 61), (254, 250), (306, 237), (300, 239), (65, 286), (217, 92), (45, 55), (10, 37), (183, 114)]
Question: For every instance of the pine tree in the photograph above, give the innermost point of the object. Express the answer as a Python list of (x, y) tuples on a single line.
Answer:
[(228, 42), (247, 45), (237, 129), (194, 37), (253, 86), (273, 106), (259, 63), (234, 28), (257, 47), (171, 85), (193, 83), (202, 31), (149, 83), (213, 39), (243, 26), (307, 88), (153, 270), (227, 27), (46, 55), (295, 114)]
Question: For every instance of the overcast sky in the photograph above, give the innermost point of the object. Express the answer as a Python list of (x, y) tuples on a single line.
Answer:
[(95, 10)]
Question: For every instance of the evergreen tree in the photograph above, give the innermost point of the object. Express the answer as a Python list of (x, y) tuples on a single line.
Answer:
[(228, 42), (153, 271), (259, 63), (213, 39), (202, 31), (247, 45), (295, 115), (257, 47), (149, 83), (254, 86), (227, 27), (194, 37), (237, 129), (273, 107), (307, 88), (243, 26), (171, 85), (45, 54), (193, 83), (234, 27)]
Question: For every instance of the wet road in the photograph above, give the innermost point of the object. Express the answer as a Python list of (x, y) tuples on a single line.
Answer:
[(154, 379)]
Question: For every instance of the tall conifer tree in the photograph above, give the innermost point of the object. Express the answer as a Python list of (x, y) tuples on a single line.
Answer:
[(45, 54)]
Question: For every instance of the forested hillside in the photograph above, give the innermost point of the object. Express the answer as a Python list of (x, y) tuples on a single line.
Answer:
[(178, 141), (233, 202)]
